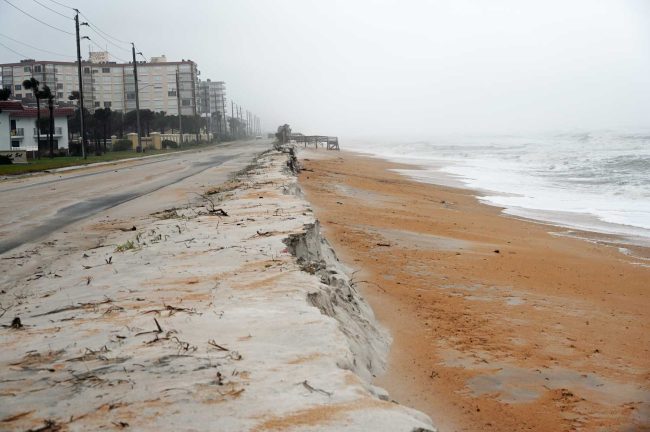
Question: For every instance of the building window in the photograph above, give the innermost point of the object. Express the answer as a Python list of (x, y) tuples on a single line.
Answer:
[(107, 104), (130, 95), (186, 102), (27, 69), (19, 96), (106, 70), (171, 93), (15, 143), (59, 86), (59, 95), (38, 68), (86, 70), (18, 87)]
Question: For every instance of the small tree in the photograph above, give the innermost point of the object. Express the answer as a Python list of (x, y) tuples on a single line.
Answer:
[(283, 133), (160, 120), (146, 117), (102, 117), (4, 94)]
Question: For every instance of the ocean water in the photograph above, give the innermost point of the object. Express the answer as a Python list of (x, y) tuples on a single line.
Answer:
[(594, 181)]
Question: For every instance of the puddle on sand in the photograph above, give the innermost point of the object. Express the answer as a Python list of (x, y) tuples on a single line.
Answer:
[(366, 195), (486, 293), (415, 240), (513, 384)]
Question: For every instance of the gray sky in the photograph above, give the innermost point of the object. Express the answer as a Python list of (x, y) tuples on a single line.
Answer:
[(370, 68)]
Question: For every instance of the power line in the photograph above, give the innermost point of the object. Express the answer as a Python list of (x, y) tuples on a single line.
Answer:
[(13, 51), (101, 31), (61, 4), (98, 34), (52, 10), (36, 48), (36, 19)]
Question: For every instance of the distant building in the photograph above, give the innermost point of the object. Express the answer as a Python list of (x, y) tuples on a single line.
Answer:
[(18, 127), (213, 104), (109, 84)]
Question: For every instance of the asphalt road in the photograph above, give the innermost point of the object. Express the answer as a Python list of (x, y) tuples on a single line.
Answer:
[(34, 207)]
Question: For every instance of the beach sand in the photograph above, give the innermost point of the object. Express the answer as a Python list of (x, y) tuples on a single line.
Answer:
[(498, 323)]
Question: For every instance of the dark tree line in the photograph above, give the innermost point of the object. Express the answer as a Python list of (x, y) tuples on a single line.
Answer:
[(104, 123)]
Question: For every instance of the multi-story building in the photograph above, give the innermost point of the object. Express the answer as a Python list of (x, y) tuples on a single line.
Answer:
[(111, 85), (213, 104)]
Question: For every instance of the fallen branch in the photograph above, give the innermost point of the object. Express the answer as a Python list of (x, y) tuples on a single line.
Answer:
[(74, 307), (217, 346), (158, 330), (314, 389)]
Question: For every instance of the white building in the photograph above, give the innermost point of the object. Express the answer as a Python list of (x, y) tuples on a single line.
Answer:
[(18, 127), (110, 84), (213, 104)]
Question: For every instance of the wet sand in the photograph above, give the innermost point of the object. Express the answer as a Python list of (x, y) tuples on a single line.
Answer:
[(498, 323)]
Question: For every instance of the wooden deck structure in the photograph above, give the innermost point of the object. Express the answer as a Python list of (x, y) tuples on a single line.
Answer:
[(329, 142)]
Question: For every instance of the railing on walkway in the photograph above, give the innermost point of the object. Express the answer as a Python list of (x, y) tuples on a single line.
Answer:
[(331, 143)]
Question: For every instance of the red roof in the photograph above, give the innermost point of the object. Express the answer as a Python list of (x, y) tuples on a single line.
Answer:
[(11, 106), (33, 112)]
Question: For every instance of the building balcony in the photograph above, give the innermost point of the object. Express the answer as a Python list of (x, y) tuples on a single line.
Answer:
[(17, 133), (46, 131)]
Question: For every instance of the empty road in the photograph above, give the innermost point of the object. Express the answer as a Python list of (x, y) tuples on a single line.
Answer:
[(33, 208)]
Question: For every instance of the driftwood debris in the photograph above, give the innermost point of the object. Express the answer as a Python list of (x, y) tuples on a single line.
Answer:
[(16, 324), (218, 212), (158, 329), (217, 346), (314, 389), (74, 307)]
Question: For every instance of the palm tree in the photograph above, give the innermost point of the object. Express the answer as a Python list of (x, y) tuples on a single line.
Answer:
[(46, 93), (33, 85)]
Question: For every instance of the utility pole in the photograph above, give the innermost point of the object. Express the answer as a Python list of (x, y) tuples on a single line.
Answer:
[(137, 96), (81, 90), (216, 107), (208, 109), (241, 120), (232, 113), (178, 102), (223, 112)]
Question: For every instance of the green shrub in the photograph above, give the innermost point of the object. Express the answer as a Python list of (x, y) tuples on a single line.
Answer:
[(122, 145), (169, 144)]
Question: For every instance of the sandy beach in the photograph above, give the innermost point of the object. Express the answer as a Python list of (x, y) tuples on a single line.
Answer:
[(498, 323)]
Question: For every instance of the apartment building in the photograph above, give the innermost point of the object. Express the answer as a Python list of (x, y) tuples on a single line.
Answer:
[(109, 84), (213, 104)]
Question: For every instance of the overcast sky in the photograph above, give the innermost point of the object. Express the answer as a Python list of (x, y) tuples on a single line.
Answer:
[(369, 68)]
